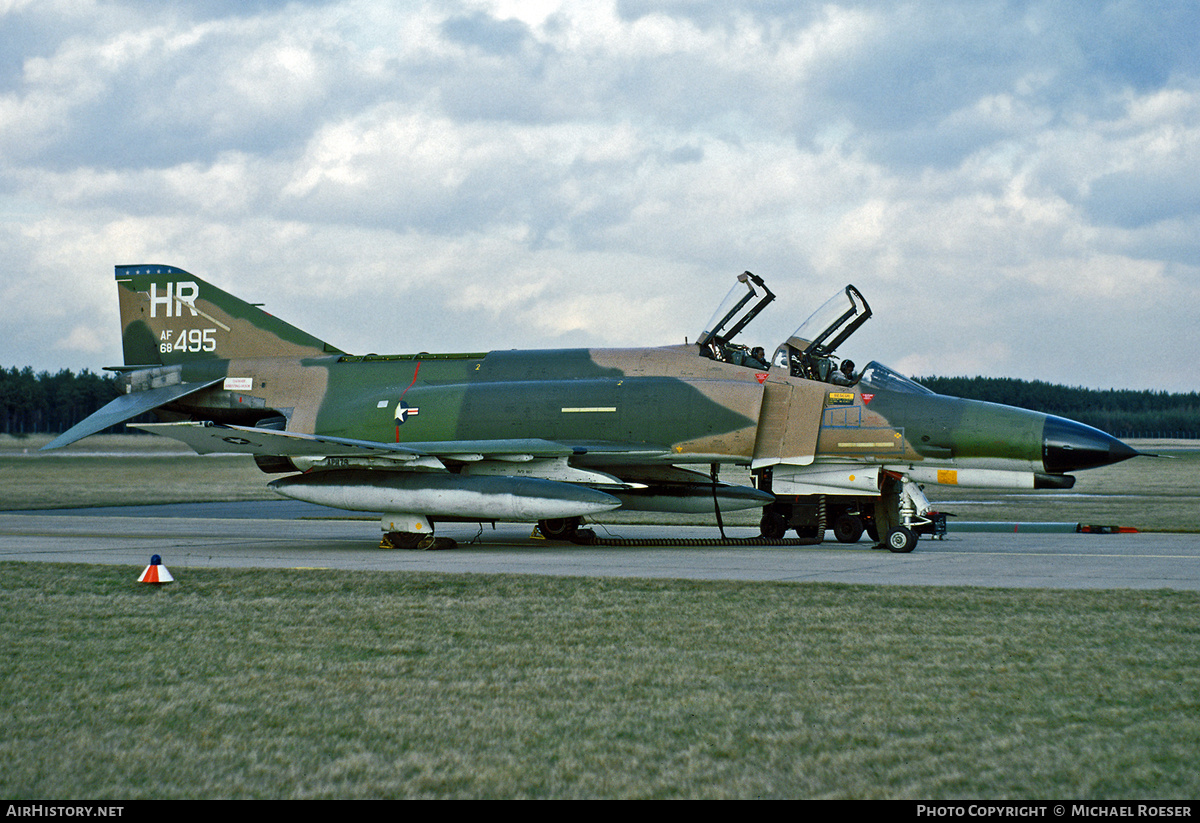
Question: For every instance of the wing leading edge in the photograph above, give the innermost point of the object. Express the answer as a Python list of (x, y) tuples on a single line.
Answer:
[(210, 438)]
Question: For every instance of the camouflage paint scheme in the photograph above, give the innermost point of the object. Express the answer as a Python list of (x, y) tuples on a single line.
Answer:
[(569, 432)]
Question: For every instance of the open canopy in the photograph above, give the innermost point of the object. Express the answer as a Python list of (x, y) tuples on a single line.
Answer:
[(829, 326), (807, 353), (745, 300)]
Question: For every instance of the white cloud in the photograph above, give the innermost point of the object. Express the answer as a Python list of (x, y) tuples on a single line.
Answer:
[(1012, 188)]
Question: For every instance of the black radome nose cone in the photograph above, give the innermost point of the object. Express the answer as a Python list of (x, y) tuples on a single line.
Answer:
[(1068, 446)]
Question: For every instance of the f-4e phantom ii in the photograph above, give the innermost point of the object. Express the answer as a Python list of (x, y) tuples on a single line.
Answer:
[(554, 436)]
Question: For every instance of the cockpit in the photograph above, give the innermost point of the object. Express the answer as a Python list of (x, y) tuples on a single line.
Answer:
[(808, 353)]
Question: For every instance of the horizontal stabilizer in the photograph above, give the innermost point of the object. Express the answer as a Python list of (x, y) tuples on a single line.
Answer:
[(126, 407)]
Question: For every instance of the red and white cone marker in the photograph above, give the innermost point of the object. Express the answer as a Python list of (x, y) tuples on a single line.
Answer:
[(156, 572)]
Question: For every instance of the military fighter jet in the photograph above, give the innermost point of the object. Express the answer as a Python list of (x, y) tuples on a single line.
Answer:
[(554, 436)]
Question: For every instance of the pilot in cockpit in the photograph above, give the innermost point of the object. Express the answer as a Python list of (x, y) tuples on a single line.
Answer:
[(844, 374)]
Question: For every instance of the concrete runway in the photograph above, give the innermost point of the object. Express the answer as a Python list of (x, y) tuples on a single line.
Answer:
[(284, 534)]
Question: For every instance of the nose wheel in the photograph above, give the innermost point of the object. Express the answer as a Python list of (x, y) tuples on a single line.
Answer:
[(900, 510), (901, 540)]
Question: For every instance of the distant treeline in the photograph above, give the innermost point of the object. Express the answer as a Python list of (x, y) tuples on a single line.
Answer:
[(1120, 412), (50, 403)]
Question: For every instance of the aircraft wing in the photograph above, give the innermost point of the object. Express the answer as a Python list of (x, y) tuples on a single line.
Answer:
[(209, 438)]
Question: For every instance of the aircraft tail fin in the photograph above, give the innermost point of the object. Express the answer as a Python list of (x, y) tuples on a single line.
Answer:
[(170, 316)]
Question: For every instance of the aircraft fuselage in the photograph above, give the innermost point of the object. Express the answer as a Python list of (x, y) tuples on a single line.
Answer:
[(559, 434), (668, 403)]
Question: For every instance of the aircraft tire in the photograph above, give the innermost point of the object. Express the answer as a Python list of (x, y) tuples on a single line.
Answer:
[(559, 528), (901, 540), (847, 529), (399, 540), (773, 525), (421, 542)]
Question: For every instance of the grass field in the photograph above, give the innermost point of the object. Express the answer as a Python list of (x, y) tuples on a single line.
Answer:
[(306, 684), (114, 470), (289, 683)]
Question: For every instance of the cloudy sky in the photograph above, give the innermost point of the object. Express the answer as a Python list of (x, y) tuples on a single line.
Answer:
[(1014, 186)]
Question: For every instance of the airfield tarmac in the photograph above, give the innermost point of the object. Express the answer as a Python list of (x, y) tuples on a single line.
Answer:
[(286, 534)]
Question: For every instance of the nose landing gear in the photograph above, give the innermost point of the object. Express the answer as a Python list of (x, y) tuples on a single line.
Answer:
[(901, 510)]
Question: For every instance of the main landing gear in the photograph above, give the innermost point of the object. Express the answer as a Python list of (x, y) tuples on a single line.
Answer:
[(404, 530), (422, 542), (566, 528)]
